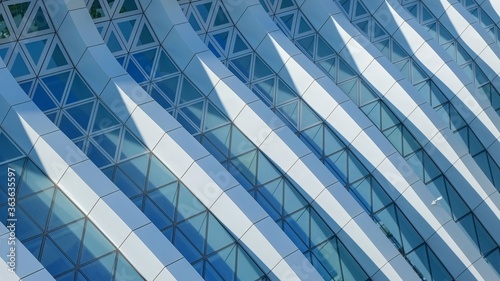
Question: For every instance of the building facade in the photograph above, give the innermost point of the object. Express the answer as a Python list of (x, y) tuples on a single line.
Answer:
[(250, 140)]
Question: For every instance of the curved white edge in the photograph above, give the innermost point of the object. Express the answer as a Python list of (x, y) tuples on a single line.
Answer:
[(265, 130), (446, 149), (77, 177), (17, 263), (458, 88), (174, 146), (468, 31), (280, 53), (492, 8)]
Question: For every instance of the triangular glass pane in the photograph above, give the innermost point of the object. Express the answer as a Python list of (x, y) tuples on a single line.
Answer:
[(63, 211), (351, 89), (145, 37), (410, 144), (366, 95), (188, 92), (109, 142), (94, 243), (81, 114), (360, 10), (307, 116), (220, 18), (409, 235), (260, 69), (154, 214), (303, 26), (113, 43), (266, 170), (194, 23), (4, 30), (239, 45), (204, 9), (329, 66), (96, 10), (169, 88), (246, 164), (363, 27), (458, 206), (42, 99), (239, 142), (57, 58), (438, 270), (145, 60), (126, 28), (130, 178), (356, 169), (444, 35), (97, 157), (68, 239), (159, 175), (18, 11), (110, 3), (346, 5), (265, 89), (486, 242), (213, 118), (284, 93), (101, 269), (287, 21), (426, 14), (286, 4), (195, 230), (194, 113), (291, 112), (9, 150), (128, 6), (243, 64), (187, 205), (222, 265), (307, 44), (39, 22), (397, 52), (378, 31), (332, 143), (33, 181), (57, 84), (125, 271), (166, 198), (103, 114), (53, 259), (324, 49), (218, 236), (19, 67), (293, 200), (345, 72), (26, 230), (418, 75), (79, 91), (69, 128), (38, 206), (430, 169), (222, 38), (130, 146), (35, 49), (247, 267), (165, 66)]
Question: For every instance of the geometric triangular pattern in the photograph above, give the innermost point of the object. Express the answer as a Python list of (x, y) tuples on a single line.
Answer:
[(53, 226)]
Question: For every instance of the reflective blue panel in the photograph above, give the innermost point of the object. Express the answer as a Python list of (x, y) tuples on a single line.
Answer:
[(79, 91), (19, 67), (39, 22), (35, 49), (57, 84), (57, 58)]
